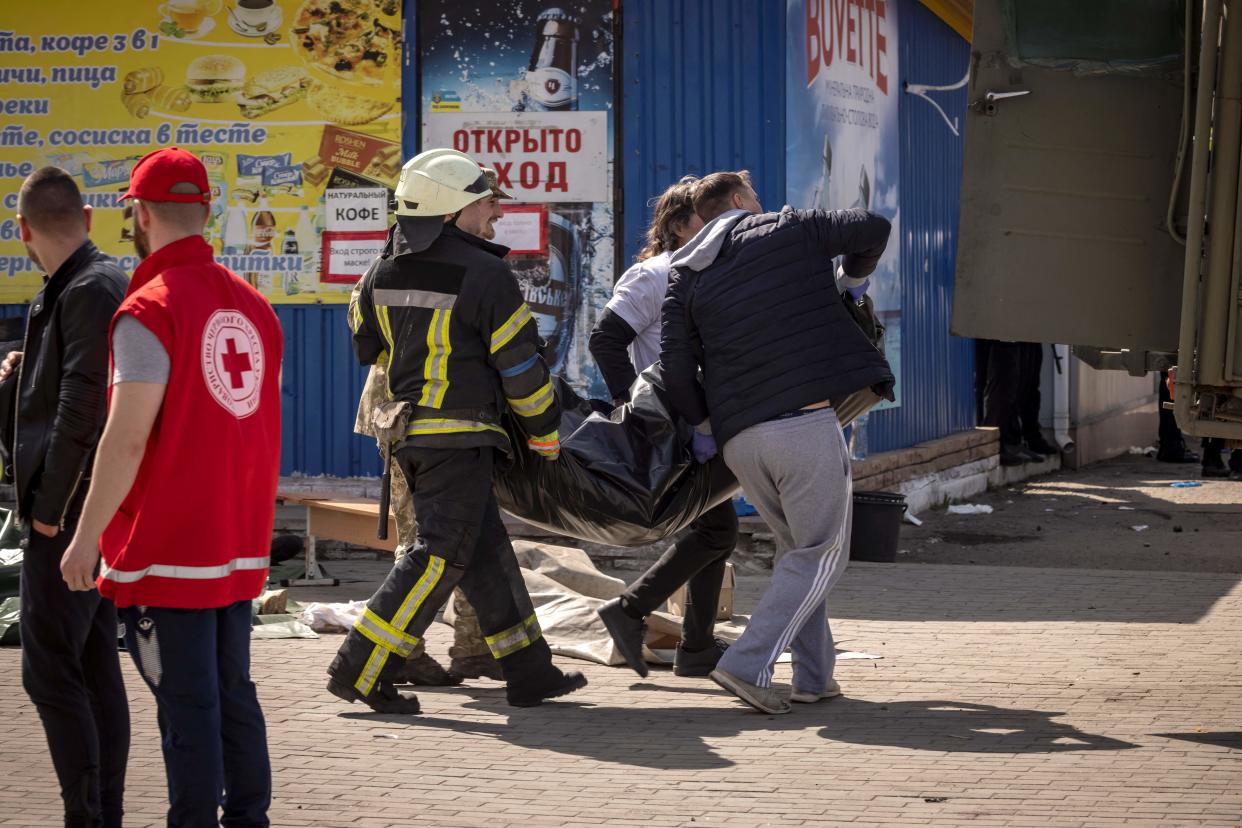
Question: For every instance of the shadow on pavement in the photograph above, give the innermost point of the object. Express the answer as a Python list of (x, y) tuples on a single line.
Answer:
[(958, 727), (678, 738), (1224, 738)]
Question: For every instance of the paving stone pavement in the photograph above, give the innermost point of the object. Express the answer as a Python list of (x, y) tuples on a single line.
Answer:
[(1005, 697)]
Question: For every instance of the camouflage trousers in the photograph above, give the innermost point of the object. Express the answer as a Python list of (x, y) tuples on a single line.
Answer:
[(468, 638)]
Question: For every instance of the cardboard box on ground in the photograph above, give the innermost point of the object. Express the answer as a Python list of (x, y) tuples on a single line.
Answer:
[(677, 601)]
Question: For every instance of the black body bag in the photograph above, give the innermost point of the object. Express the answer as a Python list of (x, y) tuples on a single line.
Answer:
[(624, 478)]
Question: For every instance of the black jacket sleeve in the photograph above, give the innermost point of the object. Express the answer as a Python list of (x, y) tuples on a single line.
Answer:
[(610, 342), (860, 236), (86, 312), (680, 348)]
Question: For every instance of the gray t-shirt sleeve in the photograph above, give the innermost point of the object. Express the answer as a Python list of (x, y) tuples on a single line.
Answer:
[(137, 354)]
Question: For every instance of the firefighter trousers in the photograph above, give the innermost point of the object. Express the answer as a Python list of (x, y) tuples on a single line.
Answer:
[(462, 542)]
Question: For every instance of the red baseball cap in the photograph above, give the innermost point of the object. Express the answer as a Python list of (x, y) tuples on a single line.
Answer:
[(157, 173)]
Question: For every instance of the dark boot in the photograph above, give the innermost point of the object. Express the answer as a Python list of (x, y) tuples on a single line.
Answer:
[(627, 634), (1176, 453), (425, 671), (1214, 465), (473, 667), (1040, 445), (700, 663), (1013, 456), (385, 698), (555, 683), (531, 677)]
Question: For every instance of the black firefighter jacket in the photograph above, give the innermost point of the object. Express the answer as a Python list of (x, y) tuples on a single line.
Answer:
[(459, 341)]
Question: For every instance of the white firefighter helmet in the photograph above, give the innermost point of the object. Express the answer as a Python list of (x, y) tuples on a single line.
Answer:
[(439, 182)]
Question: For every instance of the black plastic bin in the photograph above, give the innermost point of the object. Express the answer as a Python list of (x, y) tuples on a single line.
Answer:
[(877, 526)]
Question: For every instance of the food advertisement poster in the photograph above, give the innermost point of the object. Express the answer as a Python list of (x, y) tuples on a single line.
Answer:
[(283, 100), (526, 87), (841, 95)]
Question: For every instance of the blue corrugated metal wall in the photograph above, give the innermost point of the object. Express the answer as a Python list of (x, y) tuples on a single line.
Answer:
[(703, 89), (319, 395), (937, 369)]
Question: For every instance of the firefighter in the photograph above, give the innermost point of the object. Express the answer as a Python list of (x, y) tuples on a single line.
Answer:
[(444, 311), (471, 657)]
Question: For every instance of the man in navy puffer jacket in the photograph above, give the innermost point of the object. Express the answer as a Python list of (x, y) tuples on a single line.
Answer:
[(753, 304)]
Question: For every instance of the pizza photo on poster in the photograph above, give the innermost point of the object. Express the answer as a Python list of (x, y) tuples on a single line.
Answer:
[(537, 68)]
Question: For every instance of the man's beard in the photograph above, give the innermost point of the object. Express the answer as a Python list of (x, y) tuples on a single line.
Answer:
[(489, 230), (30, 252), (141, 243)]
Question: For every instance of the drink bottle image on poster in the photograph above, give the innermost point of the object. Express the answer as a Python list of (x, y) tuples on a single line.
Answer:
[(281, 99), (526, 87), (842, 144)]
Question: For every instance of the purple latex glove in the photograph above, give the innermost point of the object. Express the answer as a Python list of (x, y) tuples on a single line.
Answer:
[(856, 288), (703, 446), (857, 293)]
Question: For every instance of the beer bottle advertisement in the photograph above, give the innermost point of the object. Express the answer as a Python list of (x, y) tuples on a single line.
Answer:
[(526, 88)]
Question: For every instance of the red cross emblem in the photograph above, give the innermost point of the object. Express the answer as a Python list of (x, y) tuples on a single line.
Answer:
[(236, 364), (233, 365)]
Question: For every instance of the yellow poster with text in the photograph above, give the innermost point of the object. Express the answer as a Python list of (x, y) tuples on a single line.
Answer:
[(282, 99)]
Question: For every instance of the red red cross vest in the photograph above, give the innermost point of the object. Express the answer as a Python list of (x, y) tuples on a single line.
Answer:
[(196, 528)]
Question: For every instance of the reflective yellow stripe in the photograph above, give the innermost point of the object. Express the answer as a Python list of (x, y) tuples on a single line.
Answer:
[(511, 327), (435, 368), (381, 313), (355, 317), (536, 403), (385, 326), (385, 635), (515, 638), (371, 670), (418, 593), (432, 426)]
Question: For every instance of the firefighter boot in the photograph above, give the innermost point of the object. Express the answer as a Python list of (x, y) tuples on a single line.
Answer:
[(383, 698), (531, 677)]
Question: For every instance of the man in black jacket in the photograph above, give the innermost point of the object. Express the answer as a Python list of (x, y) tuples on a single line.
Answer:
[(70, 666), (752, 302)]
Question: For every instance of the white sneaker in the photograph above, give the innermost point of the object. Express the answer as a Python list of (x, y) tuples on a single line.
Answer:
[(831, 690)]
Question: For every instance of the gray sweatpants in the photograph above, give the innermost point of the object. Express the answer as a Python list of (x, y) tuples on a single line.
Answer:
[(796, 472)]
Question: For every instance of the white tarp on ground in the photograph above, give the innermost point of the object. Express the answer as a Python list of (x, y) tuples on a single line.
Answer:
[(566, 589)]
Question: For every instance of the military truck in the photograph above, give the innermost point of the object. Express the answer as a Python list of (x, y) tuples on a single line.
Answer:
[(1100, 202)]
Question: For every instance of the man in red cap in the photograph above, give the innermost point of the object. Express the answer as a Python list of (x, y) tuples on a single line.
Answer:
[(182, 500)]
